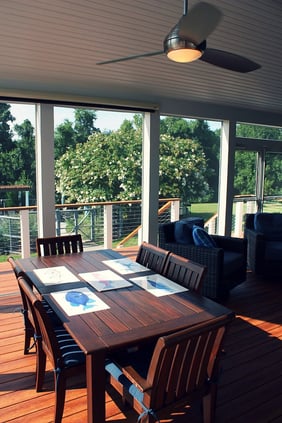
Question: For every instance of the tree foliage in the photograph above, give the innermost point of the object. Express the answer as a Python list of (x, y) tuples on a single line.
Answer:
[(109, 167)]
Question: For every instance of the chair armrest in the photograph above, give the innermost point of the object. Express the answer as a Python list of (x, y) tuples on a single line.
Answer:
[(256, 250), (238, 245), (136, 378), (166, 233), (211, 257)]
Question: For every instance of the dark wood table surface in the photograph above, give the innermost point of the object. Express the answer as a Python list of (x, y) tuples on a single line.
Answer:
[(134, 316)]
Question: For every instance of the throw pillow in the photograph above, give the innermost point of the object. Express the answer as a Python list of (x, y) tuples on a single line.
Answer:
[(270, 224), (183, 233), (202, 238)]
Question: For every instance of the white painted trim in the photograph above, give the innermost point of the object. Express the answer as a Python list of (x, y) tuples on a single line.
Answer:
[(45, 179), (150, 177)]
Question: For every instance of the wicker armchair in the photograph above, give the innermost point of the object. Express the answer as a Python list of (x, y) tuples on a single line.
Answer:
[(226, 263), (263, 232)]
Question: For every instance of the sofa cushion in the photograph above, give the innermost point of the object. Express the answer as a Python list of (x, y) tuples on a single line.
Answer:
[(273, 250), (202, 238), (183, 233), (270, 224), (183, 229), (232, 262)]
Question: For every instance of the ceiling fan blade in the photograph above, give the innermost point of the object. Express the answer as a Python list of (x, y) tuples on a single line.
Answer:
[(199, 22), (135, 56), (229, 61)]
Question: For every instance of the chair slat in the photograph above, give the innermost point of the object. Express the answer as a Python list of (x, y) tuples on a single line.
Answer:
[(58, 245)]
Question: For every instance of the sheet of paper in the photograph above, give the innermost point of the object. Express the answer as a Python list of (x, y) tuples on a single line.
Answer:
[(158, 285), (125, 266), (105, 280), (54, 275), (79, 301)]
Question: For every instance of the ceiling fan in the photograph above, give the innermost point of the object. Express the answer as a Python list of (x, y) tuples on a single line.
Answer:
[(186, 41)]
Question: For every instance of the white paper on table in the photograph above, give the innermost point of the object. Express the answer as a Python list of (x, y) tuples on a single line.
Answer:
[(105, 280), (158, 285), (125, 266), (79, 301), (53, 275)]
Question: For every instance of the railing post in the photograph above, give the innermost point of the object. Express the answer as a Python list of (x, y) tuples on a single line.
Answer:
[(25, 237), (108, 226), (239, 209), (174, 213)]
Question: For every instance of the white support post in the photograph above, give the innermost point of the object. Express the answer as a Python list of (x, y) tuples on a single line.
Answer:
[(25, 237), (239, 211), (226, 177), (150, 177), (108, 226), (45, 179), (174, 211)]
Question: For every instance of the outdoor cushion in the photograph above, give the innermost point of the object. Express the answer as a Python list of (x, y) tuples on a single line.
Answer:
[(202, 238), (273, 250), (231, 262), (183, 233), (269, 224)]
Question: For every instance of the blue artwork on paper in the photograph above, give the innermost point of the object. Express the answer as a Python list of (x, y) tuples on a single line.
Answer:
[(77, 298)]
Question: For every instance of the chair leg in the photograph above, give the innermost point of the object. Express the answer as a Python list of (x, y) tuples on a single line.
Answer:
[(209, 404), (40, 368), (60, 391), (28, 337)]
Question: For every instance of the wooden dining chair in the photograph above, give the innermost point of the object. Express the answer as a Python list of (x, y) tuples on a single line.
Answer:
[(27, 318), (65, 244), (56, 344), (151, 256), (183, 367), (185, 272)]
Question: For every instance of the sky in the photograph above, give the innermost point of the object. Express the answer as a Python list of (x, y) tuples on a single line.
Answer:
[(106, 120)]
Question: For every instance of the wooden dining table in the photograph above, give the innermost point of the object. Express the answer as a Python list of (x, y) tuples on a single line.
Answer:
[(132, 316)]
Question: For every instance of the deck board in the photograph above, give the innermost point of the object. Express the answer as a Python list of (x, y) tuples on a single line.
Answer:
[(249, 386)]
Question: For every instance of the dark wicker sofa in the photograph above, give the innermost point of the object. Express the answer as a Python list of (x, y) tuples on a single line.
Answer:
[(263, 232), (226, 263)]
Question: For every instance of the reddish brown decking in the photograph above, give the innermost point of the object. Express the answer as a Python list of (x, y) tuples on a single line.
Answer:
[(249, 387)]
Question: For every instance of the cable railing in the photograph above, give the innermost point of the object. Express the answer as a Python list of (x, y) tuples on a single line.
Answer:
[(101, 224)]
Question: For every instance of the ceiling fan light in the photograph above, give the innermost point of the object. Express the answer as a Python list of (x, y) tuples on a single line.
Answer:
[(184, 55), (181, 50)]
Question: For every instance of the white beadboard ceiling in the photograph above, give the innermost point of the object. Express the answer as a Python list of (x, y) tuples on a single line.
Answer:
[(53, 47)]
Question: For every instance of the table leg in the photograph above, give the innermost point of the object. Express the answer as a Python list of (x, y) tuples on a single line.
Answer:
[(96, 385)]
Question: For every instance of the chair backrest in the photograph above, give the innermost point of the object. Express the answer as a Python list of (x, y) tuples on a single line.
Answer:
[(152, 257), (184, 363), (185, 272), (56, 245), (43, 325), (15, 267)]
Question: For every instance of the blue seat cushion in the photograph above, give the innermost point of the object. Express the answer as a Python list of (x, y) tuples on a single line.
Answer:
[(232, 262), (269, 224), (273, 250), (183, 230), (202, 238)]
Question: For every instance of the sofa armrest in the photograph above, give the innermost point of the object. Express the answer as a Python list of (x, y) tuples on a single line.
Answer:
[(238, 245), (256, 249), (166, 233)]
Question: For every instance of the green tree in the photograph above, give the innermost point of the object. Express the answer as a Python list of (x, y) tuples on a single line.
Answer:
[(109, 167), (84, 124), (64, 138), (210, 143), (245, 162), (175, 127), (98, 169), (68, 133), (6, 134), (25, 173), (182, 169)]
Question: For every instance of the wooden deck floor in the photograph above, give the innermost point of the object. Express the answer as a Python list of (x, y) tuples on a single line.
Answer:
[(250, 386)]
